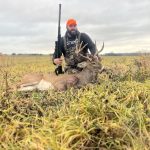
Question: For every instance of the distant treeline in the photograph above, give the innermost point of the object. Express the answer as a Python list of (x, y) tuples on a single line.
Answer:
[(125, 54), (34, 54), (106, 54)]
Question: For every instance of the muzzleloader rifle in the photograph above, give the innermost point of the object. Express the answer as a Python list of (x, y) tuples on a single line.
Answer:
[(58, 69)]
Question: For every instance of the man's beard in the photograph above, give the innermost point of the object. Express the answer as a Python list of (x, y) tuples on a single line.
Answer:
[(72, 32)]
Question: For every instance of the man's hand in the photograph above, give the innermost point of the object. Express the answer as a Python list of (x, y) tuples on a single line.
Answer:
[(58, 61)]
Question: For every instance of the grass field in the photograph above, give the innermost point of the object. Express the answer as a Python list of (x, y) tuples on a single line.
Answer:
[(113, 114)]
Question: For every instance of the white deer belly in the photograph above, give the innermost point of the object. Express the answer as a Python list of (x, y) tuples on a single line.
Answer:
[(42, 85)]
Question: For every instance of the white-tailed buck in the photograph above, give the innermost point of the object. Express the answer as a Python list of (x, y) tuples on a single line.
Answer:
[(62, 82)]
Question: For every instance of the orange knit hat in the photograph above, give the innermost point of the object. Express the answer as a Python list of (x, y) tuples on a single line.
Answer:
[(71, 22)]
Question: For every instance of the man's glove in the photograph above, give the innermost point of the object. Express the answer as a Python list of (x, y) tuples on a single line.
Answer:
[(59, 70)]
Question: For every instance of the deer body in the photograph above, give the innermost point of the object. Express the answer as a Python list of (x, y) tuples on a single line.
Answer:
[(60, 83), (46, 81), (64, 81)]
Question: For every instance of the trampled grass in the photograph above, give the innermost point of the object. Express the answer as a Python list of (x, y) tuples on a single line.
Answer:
[(112, 114)]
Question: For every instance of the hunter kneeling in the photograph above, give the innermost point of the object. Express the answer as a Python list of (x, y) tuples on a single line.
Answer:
[(74, 47)]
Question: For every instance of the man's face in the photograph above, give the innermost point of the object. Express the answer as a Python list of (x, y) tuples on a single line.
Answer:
[(72, 29)]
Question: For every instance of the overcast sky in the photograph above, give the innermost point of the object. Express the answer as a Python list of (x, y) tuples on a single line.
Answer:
[(30, 26)]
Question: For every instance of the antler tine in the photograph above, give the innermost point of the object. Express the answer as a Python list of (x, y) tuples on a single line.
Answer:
[(96, 48), (83, 47), (77, 48), (100, 50), (85, 57), (80, 47)]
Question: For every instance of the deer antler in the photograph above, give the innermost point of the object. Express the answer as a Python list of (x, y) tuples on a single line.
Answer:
[(80, 48), (100, 49), (97, 52), (86, 57)]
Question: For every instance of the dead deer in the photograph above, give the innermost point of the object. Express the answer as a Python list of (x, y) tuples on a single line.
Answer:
[(64, 81)]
